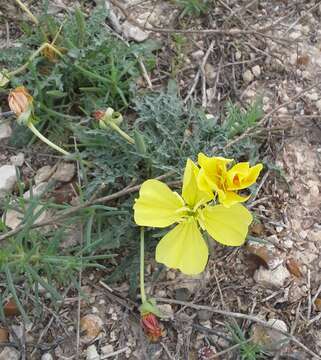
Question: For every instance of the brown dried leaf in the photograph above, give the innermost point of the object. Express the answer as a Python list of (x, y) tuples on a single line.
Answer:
[(10, 308), (4, 335), (294, 267), (257, 229), (303, 60), (317, 304), (261, 252)]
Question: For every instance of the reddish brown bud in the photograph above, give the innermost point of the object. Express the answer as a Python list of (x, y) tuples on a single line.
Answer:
[(151, 327), (98, 114)]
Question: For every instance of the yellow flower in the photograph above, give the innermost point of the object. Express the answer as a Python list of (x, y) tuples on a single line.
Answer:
[(19, 100), (214, 176), (184, 247)]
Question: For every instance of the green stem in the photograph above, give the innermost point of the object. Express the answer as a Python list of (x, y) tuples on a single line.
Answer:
[(142, 251), (121, 132), (25, 9), (47, 141)]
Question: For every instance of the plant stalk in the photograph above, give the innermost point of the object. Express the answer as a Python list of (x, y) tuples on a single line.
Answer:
[(122, 133), (47, 141), (142, 268), (26, 10)]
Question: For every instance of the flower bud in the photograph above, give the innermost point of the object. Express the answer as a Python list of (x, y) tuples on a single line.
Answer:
[(19, 100), (151, 327)]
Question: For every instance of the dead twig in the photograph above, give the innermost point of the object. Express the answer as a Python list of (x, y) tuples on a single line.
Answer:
[(241, 316), (199, 72)]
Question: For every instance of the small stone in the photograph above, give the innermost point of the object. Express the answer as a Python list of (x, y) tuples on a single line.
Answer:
[(204, 315), (133, 32), (65, 172), (166, 310), (171, 275), (9, 353), (107, 349), (318, 105), (37, 191), (8, 179), (256, 70), (91, 353), (5, 131), (182, 294), (13, 218), (238, 55), (271, 340), (279, 229), (210, 72), (43, 174), (312, 96), (288, 243), (17, 160), (197, 55), (271, 278), (46, 356), (248, 76)]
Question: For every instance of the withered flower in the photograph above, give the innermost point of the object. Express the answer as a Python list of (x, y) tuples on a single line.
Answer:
[(19, 100)]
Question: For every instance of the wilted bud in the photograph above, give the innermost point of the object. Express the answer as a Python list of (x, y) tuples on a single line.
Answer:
[(19, 100), (151, 327)]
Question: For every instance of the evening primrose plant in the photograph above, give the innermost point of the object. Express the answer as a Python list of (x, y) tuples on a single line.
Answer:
[(198, 209)]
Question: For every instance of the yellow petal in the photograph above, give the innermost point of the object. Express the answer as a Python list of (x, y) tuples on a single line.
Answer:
[(241, 175), (213, 172), (228, 226), (229, 198), (157, 205), (191, 192), (183, 248)]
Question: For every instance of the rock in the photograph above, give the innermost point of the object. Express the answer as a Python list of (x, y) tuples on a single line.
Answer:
[(318, 105), (266, 252), (256, 70), (65, 172), (197, 55), (107, 349), (8, 179), (171, 275), (18, 160), (271, 278), (166, 310), (313, 96), (37, 191), (13, 218), (210, 72), (5, 131), (204, 315), (91, 325), (9, 353), (46, 356), (270, 339), (43, 174), (238, 55), (248, 76), (91, 353), (132, 32)]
